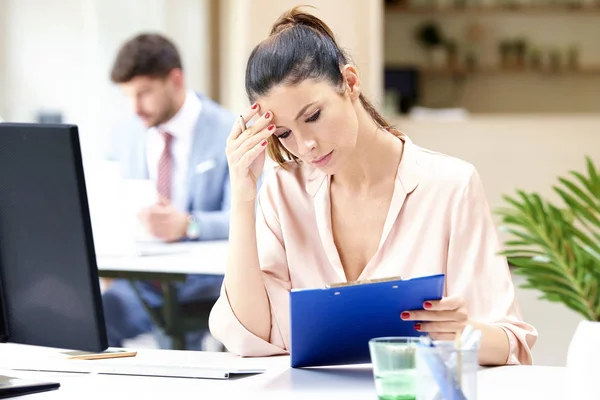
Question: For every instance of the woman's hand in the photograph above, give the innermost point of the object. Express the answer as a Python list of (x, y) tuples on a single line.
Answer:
[(246, 153), (441, 318)]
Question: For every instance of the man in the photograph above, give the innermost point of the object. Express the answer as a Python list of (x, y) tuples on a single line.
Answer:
[(177, 140)]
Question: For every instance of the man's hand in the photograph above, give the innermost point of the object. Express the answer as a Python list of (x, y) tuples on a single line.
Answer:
[(163, 221)]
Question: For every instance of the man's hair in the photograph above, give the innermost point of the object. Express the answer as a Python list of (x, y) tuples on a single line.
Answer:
[(146, 54)]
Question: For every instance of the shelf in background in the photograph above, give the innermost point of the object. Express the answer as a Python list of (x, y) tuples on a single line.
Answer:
[(491, 70), (495, 9)]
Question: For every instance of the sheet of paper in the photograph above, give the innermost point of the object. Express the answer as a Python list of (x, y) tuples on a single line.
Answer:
[(138, 195), (112, 233), (114, 204)]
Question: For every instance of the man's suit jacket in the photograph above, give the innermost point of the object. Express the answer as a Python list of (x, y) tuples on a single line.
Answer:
[(208, 183)]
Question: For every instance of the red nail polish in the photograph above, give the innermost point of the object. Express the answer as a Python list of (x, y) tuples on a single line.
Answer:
[(427, 304), (271, 127), (405, 315), (263, 143), (418, 327), (267, 115), (254, 106)]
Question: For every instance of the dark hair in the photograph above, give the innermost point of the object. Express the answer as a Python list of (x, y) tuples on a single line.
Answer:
[(147, 54), (300, 46)]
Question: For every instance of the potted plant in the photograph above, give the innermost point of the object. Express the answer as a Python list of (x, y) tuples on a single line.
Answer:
[(557, 249), (429, 36)]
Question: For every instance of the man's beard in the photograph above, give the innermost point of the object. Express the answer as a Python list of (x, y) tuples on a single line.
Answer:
[(164, 116)]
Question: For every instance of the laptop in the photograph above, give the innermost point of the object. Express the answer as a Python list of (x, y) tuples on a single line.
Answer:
[(114, 203), (16, 387)]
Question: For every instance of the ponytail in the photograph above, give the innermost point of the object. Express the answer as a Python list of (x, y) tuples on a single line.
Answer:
[(296, 17)]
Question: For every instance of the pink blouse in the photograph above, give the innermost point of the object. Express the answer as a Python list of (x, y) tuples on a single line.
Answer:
[(439, 221)]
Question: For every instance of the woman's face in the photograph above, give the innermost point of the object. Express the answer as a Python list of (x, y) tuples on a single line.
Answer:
[(315, 122)]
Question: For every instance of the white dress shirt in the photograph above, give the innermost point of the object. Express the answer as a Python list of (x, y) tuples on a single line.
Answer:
[(182, 127)]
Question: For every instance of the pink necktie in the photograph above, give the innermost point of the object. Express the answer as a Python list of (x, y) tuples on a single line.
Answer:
[(163, 179), (165, 168)]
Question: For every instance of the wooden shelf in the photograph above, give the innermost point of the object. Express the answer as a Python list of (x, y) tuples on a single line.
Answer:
[(491, 70), (506, 71), (496, 9)]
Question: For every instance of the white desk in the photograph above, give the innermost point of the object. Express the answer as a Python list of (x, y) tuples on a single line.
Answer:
[(189, 258), (279, 382), (195, 258)]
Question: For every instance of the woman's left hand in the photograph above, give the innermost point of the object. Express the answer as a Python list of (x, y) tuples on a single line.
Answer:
[(441, 318)]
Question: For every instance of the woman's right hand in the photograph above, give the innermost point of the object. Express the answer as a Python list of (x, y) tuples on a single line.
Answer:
[(246, 153)]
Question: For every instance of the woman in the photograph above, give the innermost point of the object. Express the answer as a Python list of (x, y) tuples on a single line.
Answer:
[(358, 200)]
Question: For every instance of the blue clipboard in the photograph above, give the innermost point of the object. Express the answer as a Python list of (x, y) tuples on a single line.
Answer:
[(333, 325)]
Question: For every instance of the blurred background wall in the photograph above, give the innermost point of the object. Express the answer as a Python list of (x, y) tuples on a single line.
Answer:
[(56, 54), (358, 25)]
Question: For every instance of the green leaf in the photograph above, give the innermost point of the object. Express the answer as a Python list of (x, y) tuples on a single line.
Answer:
[(592, 294), (513, 202), (575, 306), (577, 207), (589, 185), (584, 197), (591, 246), (580, 258), (586, 313), (530, 267), (594, 176), (520, 253), (515, 243), (526, 237), (533, 205), (570, 300), (555, 281)]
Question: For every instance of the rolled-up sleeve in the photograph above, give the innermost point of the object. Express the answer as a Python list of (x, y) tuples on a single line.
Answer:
[(480, 275), (223, 323)]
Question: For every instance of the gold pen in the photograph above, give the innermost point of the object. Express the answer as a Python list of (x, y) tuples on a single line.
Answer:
[(242, 123)]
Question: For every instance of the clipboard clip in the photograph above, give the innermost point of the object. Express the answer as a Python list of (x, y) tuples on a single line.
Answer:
[(363, 282)]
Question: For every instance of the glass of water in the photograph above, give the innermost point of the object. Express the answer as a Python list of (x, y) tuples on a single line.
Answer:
[(394, 367)]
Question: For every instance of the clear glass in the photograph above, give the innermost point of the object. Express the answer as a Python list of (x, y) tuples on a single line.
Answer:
[(394, 369), (462, 365)]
